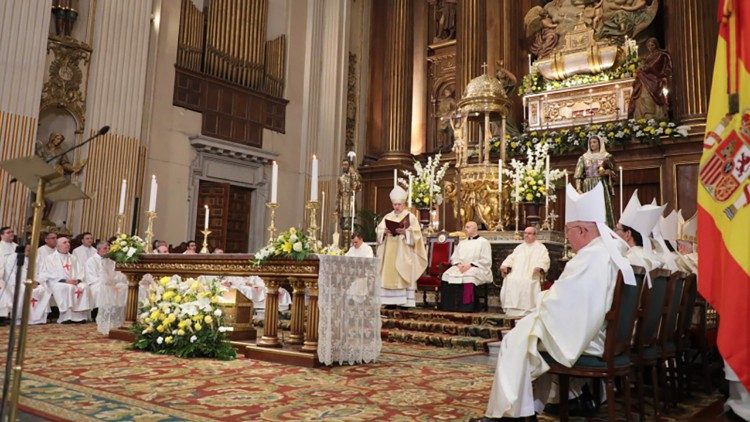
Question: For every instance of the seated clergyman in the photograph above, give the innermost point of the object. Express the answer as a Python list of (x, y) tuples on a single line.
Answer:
[(470, 266), (521, 287), (40, 295), (64, 276), (635, 225), (569, 320)]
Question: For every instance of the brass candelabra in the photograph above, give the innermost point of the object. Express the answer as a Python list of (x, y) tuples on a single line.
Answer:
[(312, 227), (272, 224), (150, 230), (119, 222), (517, 234), (205, 232)]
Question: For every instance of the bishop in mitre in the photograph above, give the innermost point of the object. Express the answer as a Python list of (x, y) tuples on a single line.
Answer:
[(635, 227), (109, 289), (64, 276), (40, 296), (569, 320), (471, 264), (402, 254), (665, 238), (687, 235), (521, 287)]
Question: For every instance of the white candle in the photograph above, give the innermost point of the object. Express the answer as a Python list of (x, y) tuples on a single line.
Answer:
[(123, 191), (529, 63), (274, 182), (409, 201), (566, 178), (152, 197), (395, 178), (353, 214), (518, 188), (499, 176), (546, 189), (322, 212), (620, 191), (205, 221), (314, 180)]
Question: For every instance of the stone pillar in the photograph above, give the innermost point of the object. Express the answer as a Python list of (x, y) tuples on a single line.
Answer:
[(471, 49), (399, 73), (691, 31)]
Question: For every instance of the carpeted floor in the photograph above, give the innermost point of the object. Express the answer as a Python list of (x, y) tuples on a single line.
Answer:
[(72, 373)]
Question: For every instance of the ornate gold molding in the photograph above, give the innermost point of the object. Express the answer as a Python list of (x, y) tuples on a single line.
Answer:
[(67, 77)]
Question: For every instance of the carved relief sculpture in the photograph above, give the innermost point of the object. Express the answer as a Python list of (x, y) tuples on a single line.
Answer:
[(444, 16)]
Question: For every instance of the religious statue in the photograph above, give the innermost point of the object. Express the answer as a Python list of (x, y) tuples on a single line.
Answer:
[(594, 166), (648, 99), (445, 20), (446, 106), (348, 184), (507, 78), (62, 164), (541, 27), (65, 15), (626, 18), (459, 143)]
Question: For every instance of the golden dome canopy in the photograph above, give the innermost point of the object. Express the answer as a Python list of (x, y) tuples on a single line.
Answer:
[(484, 93)]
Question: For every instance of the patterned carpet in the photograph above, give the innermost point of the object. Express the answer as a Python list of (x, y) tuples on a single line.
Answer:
[(72, 373)]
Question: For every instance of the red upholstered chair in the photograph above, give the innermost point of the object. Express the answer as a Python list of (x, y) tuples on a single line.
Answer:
[(439, 251)]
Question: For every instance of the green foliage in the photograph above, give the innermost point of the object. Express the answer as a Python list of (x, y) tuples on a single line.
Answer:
[(126, 249)]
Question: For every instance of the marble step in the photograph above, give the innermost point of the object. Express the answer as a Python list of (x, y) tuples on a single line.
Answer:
[(464, 330), (435, 339), (477, 319)]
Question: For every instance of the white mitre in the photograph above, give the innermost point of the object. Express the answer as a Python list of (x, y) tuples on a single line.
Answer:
[(398, 195), (589, 206), (641, 218), (687, 230), (668, 228)]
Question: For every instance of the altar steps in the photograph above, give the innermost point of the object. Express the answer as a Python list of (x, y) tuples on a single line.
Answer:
[(442, 329)]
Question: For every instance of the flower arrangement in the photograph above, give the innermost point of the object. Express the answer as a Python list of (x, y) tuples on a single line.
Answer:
[(529, 179), (425, 185), (292, 243), (534, 82), (183, 318), (620, 133), (332, 250), (126, 249)]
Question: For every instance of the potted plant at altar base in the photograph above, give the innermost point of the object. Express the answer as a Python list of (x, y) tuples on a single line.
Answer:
[(126, 249), (533, 181), (293, 243), (184, 318), (425, 189)]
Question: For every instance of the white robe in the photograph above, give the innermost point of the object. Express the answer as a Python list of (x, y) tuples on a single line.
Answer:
[(405, 262), (364, 251), (41, 255), (254, 288), (568, 322), (109, 289), (7, 248), (84, 253), (40, 296), (691, 259), (74, 302), (520, 291), (478, 253)]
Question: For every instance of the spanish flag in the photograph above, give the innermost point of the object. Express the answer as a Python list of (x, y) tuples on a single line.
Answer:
[(724, 189)]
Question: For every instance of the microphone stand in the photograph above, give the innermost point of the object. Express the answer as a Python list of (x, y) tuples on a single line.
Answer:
[(101, 132), (20, 259)]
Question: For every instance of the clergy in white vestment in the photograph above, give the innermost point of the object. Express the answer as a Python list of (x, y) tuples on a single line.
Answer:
[(569, 320), (665, 240), (686, 239), (64, 276), (635, 224), (520, 292), (49, 247), (109, 289), (86, 250), (40, 296), (7, 245), (471, 264), (359, 248), (403, 257)]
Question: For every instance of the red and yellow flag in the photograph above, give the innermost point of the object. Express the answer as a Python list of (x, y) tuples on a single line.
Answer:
[(724, 189)]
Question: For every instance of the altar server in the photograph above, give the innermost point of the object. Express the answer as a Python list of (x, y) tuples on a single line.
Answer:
[(359, 248), (521, 287), (40, 296), (64, 276), (635, 226)]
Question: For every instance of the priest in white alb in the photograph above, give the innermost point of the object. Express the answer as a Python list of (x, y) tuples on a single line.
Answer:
[(109, 289), (635, 225), (40, 296), (403, 257), (569, 320), (64, 276), (471, 266), (521, 287), (49, 247), (7, 244), (84, 252), (359, 248)]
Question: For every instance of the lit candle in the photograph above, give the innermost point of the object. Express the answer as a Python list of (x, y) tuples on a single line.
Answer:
[(395, 178), (123, 191), (409, 201), (152, 198), (274, 182), (314, 180), (322, 212), (205, 221), (620, 191)]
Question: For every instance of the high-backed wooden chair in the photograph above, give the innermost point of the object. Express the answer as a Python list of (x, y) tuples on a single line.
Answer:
[(646, 342), (666, 361), (615, 361), (439, 251)]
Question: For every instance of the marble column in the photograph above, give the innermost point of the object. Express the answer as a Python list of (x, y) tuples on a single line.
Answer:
[(691, 31), (399, 73)]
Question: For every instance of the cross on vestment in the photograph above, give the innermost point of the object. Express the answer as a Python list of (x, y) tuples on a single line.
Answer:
[(33, 302), (67, 267), (79, 292)]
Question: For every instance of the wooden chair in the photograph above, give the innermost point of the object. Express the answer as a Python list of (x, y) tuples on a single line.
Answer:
[(666, 360), (439, 251), (682, 334), (646, 343), (615, 362)]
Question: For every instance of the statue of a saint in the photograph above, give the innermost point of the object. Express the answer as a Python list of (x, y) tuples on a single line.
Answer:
[(446, 106), (445, 20), (594, 166), (507, 78), (62, 164), (542, 29), (459, 144), (648, 99), (348, 184), (65, 14)]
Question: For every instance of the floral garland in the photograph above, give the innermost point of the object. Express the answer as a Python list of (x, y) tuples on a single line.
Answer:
[(427, 177), (125, 250), (534, 82), (529, 179), (183, 318), (620, 133), (293, 243)]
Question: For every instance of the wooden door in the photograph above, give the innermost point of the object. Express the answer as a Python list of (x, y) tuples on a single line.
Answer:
[(229, 208)]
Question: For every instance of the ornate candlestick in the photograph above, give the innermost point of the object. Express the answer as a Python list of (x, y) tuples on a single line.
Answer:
[(566, 251), (272, 224), (312, 227), (206, 232), (119, 221), (150, 230)]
